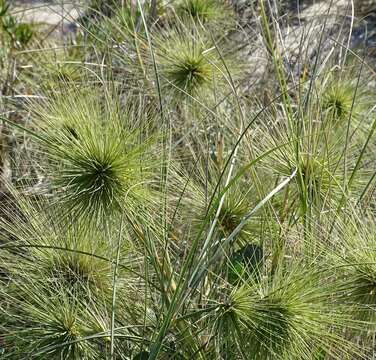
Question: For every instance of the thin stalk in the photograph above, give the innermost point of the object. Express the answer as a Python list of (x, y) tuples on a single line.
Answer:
[(114, 281)]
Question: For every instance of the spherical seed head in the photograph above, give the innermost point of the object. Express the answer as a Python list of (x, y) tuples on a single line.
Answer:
[(189, 71), (346, 97), (313, 176), (198, 9), (95, 178), (364, 289), (207, 12), (93, 173), (234, 208), (79, 273), (186, 69), (287, 315), (97, 162), (188, 63), (356, 257), (338, 102), (318, 174), (52, 324), (228, 221), (268, 318)]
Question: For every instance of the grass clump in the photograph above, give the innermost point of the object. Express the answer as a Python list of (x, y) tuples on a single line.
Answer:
[(165, 207), (190, 65), (338, 102), (344, 100), (355, 256), (50, 325), (211, 12), (94, 168), (57, 284), (235, 207), (289, 316)]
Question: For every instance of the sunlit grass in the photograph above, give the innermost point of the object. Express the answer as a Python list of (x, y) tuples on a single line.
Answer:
[(169, 207)]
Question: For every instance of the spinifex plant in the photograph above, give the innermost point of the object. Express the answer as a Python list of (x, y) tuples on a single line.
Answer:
[(44, 323), (57, 282), (189, 64), (235, 207), (355, 256), (97, 159), (211, 13), (58, 68), (167, 214), (290, 315), (344, 100), (338, 100), (120, 24), (317, 152)]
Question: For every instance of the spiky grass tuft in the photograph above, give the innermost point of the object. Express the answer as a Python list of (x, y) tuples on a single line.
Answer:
[(190, 66), (57, 286), (318, 184), (51, 324), (317, 155), (206, 12), (97, 159), (236, 204), (355, 256), (345, 97), (71, 256), (98, 271), (337, 101), (288, 316)]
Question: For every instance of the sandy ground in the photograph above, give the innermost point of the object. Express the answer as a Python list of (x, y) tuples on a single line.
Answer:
[(47, 12)]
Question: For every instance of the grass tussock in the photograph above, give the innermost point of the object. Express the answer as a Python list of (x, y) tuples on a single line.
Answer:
[(173, 188)]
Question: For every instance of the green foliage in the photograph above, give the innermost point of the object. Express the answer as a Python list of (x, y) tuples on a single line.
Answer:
[(169, 203), (207, 12), (287, 317), (53, 324), (96, 169), (344, 100), (19, 34), (248, 260), (355, 257), (59, 299), (235, 207), (338, 102), (190, 65)]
